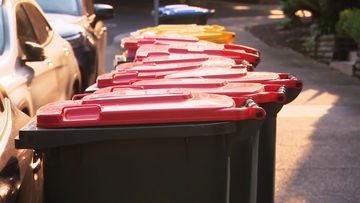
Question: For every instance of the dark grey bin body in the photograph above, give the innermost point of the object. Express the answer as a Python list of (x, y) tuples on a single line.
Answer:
[(172, 163)]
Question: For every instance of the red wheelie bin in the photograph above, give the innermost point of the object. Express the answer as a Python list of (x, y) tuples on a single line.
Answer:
[(267, 142), (266, 171), (159, 146), (270, 97), (213, 50), (132, 44)]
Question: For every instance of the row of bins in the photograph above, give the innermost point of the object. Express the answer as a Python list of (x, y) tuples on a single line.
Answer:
[(186, 121)]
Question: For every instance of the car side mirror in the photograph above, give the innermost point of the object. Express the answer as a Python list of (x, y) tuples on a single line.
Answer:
[(103, 11), (34, 52)]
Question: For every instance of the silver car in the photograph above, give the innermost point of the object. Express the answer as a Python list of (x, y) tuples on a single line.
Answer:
[(37, 66), (80, 22)]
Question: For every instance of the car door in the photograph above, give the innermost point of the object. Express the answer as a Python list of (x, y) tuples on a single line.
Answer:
[(55, 48), (100, 32), (42, 80), (17, 182)]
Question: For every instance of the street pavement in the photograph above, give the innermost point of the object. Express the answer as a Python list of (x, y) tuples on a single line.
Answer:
[(318, 139)]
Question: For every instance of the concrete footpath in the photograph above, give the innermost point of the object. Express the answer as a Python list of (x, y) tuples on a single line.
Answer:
[(318, 145)]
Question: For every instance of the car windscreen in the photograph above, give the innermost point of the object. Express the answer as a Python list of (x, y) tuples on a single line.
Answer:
[(70, 7)]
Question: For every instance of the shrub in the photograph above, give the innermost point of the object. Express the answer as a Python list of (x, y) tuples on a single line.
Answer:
[(325, 13), (349, 24)]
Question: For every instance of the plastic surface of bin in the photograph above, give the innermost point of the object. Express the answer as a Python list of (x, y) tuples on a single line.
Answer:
[(184, 14), (128, 76), (121, 154), (117, 78), (183, 9), (293, 84), (215, 50), (177, 63), (258, 92), (205, 60), (132, 44), (267, 142), (271, 97), (212, 33)]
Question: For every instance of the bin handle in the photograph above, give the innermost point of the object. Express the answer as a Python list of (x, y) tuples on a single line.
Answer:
[(254, 109), (259, 112), (113, 88), (79, 96), (299, 83), (278, 92), (295, 82), (250, 103), (242, 47), (283, 90), (88, 112)]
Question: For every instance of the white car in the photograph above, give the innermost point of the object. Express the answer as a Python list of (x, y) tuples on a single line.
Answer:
[(37, 66)]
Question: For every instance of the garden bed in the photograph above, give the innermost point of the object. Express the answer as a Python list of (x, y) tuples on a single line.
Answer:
[(289, 38)]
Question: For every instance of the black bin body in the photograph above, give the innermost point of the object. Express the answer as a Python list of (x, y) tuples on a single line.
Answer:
[(172, 163), (267, 149)]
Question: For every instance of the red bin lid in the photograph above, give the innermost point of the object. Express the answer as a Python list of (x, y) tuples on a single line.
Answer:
[(131, 43), (238, 75), (116, 78), (203, 60), (215, 50), (231, 75), (145, 72), (134, 43), (176, 58), (144, 67), (126, 107), (220, 73), (259, 92), (177, 66)]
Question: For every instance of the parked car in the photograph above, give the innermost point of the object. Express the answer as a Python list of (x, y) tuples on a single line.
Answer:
[(80, 22), (37, 66), (21, 172)]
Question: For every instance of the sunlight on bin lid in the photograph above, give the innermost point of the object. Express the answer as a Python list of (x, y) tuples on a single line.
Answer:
[(228, 51), (259, 92), (228, 74), (139, 107), (134, 43), (204, 59), (127, 74), (176, 64), (210, 73)]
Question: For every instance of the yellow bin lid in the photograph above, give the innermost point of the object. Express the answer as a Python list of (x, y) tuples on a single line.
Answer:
[(212, 33)]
